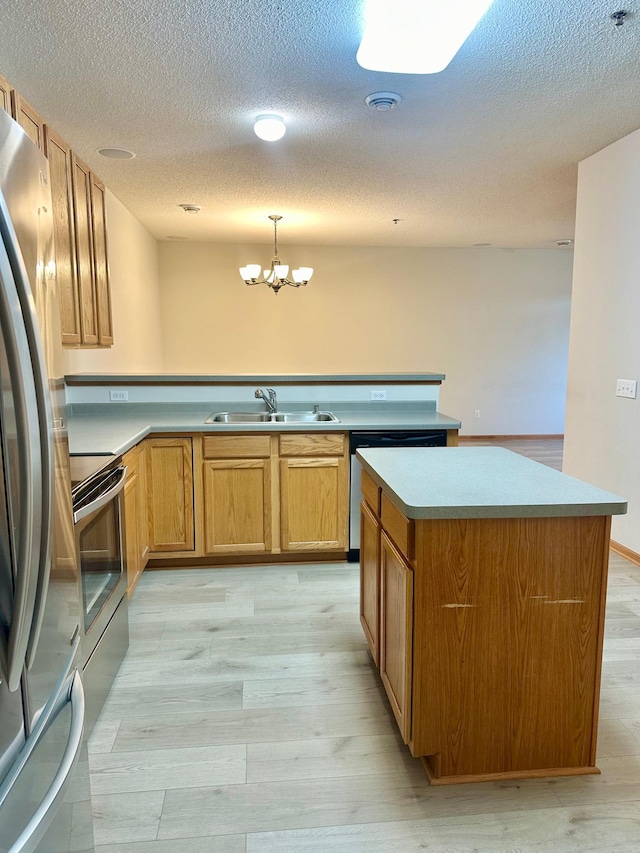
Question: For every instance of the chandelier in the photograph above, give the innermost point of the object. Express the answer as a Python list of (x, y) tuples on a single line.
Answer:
[(276, 277)]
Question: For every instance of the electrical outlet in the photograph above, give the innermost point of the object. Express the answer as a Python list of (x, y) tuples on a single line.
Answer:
[(476, 413), (118, 396), (378, 395), (627, 388)]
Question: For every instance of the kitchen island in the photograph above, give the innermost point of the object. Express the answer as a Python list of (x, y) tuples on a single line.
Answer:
[(483, 580)]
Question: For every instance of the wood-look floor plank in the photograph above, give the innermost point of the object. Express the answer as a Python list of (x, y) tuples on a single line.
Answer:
[(209, 844), (327, 758), (354, 689), (228, 668), (169, 699), (253, 726), (126, 818), (343, 800), (596, 829), (162, 769)]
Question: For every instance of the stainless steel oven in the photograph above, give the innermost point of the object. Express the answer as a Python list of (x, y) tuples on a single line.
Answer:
[(97, 516)]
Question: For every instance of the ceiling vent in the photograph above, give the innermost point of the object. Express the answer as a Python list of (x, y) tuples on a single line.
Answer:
[(382, 101)]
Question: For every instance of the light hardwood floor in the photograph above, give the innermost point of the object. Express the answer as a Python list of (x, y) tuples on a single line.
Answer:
[(248, 718)]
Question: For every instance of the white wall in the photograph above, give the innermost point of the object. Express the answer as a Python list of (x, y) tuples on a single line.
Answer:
[(494, 321), (602, 433), (135, 301)]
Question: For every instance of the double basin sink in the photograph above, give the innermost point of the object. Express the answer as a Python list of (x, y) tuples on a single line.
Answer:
[(268, 418)]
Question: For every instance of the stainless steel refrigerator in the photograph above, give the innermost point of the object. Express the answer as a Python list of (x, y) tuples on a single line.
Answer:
[(44, 786)]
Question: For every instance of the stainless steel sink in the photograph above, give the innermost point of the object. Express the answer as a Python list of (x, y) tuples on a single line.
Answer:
[(303, 417), (265, 418), (238, 418)]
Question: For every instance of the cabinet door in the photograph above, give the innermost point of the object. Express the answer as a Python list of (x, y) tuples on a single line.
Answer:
[(60, 168), (131, 529), (143, 502), (5, 95), (370, 579), (396, 632), (81, 184), (100, 263), (170, 494), (237, 505), (313, 504), (28, 119)]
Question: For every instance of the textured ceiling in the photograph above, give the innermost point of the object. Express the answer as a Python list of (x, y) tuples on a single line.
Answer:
[(484, 152)]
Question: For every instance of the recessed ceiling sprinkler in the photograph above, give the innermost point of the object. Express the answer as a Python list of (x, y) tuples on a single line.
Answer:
[(619, 17)]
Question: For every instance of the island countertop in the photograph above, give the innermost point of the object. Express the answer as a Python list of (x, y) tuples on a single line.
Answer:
[(481, 482)]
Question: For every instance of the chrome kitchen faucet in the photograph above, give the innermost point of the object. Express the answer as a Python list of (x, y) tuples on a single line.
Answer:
[(271, 400)]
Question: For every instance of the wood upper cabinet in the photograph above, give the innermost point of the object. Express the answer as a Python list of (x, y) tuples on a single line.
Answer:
[(5, 95), (370, 579), (237, 494), (313, 492), (28, 119), (102, 288), (81, 184), (60, 169), (170, 494), (80, 231), (396, 632)]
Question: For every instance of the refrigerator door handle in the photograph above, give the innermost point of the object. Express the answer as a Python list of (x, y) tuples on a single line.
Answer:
[(44, 815), (17, 340)]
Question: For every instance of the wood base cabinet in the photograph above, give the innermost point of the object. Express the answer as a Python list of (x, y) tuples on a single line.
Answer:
[(237, 494), (170, 502), (136, 529), (491, 635), (313, 492), (370, 579)]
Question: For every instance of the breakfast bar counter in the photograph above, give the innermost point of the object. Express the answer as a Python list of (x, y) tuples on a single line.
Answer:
[(483, 581)]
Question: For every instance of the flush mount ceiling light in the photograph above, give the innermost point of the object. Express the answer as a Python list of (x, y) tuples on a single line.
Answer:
[(416, 36), (190, 208), (269, 127), (276, 277)]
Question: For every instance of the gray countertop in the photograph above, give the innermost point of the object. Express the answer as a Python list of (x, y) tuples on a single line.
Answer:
[(97, 430), (248, 378), (481, 482)]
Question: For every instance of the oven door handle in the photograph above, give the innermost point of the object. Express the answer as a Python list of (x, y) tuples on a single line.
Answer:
[(104, 498)]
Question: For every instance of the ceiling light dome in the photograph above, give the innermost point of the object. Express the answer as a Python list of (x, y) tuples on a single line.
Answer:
[(269, 127)]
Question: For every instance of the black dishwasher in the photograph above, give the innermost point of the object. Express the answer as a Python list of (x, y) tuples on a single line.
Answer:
[(412, 438)]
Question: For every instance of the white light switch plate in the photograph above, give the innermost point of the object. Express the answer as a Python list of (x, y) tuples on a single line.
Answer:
[(627, 388)]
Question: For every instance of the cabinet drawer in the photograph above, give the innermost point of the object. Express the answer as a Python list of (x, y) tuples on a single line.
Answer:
[(312, 444), (371, 493), (398, 526), (236, 446)]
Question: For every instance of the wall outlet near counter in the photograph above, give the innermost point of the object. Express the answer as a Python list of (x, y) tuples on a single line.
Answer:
[(476, 413), (118, 396), (378, 395), (627, 388)]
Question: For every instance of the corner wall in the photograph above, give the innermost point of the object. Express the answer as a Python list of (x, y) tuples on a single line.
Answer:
[(602, 434), (135, 301), (495, 321)]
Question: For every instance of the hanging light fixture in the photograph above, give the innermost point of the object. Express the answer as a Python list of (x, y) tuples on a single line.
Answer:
[(276, 277)]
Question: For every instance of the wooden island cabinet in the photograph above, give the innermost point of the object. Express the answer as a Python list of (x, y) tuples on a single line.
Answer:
[(483, 580)]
